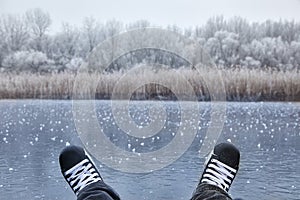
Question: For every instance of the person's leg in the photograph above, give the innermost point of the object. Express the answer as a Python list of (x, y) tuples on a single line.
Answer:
[(98, 191), (218, 174), (83, 177)]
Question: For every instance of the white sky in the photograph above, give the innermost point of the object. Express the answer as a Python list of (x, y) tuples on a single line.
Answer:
[(184, 13)]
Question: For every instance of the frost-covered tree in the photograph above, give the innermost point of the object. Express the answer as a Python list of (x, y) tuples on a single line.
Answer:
[(295, 54), (214, 24), (229, 42), (74, 64), (224, 47), (28, 61), (2, 46), (250, 62), (92, 33), (271, 52), (39, 23), (65, 45), (242, 28), (113, 27), (14, 32), (13, 35)]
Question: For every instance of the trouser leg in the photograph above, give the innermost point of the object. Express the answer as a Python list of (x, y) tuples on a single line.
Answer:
[(210, 192), (98, 191)]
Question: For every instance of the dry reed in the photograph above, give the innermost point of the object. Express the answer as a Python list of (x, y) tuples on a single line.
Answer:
[(241, 84)]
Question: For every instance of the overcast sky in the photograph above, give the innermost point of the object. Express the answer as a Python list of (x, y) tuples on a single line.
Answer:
[(184, 13)]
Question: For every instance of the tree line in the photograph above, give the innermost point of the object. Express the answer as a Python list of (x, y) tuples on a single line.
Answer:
[(26, 44)]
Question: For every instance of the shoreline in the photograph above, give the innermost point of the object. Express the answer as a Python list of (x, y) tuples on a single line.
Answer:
[(146, 101)]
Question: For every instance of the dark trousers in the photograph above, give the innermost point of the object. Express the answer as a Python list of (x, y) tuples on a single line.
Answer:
[(102, 191), (210, 192), (98, 191)]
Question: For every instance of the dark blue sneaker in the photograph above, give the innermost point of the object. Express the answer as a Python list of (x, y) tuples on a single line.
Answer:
[(222, 166), (78, 168)]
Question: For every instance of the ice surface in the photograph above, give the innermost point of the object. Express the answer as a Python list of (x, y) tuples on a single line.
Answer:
[(34, 132)]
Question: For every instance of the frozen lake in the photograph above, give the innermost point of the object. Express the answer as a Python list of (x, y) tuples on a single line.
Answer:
[(32, 134)]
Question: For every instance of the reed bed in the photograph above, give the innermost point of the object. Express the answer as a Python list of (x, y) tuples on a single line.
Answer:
[(237, 84)]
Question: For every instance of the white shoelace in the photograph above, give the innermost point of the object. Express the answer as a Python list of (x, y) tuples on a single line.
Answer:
[(219, 174), (81, 175)]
